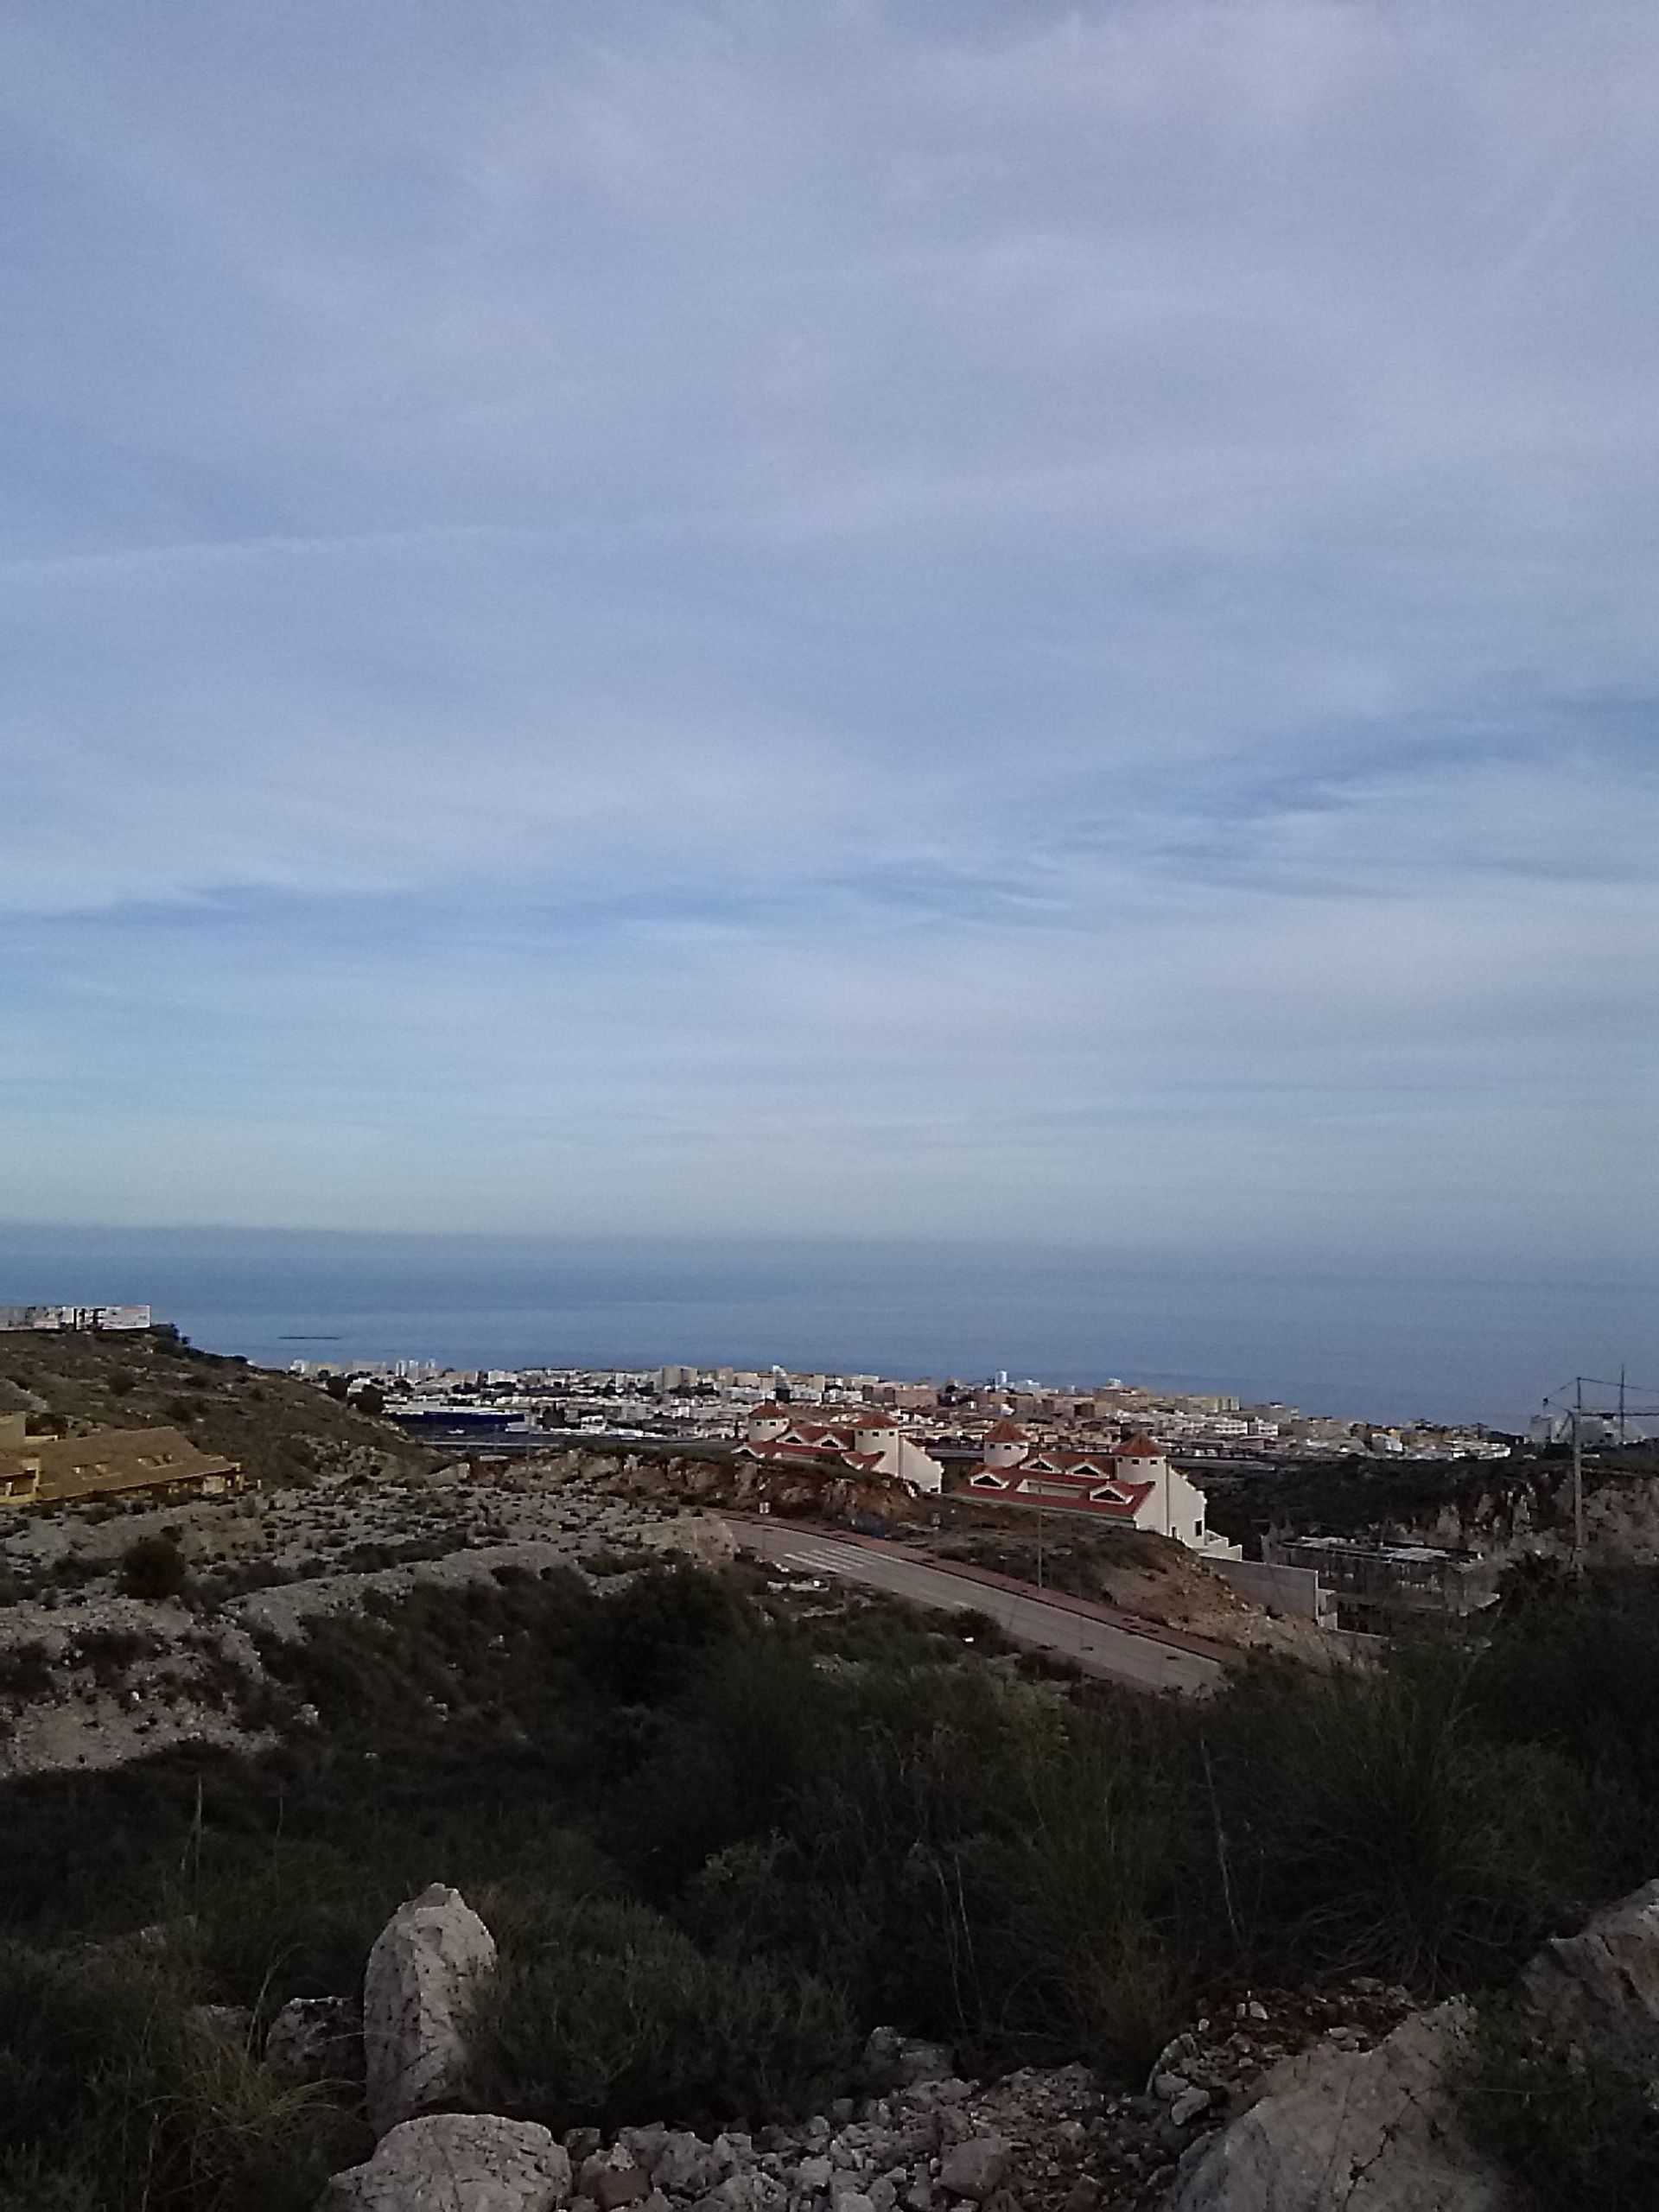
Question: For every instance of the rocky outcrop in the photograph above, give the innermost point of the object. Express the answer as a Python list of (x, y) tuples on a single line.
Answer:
[(422, 1980), (1602, 1984), (1369, 2130), (1379, 2130), (456, 2162), (1277, 2101)]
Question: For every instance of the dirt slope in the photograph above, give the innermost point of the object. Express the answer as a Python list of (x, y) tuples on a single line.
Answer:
[(278, 1427)]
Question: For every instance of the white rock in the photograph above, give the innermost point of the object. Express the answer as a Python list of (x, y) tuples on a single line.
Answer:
[(814, 2172), (685, 2165), (1604, 1980), (456, 2162), (974, 2166), (1370, 2131), (611, 2178), (748, 2191), (423, 1977)]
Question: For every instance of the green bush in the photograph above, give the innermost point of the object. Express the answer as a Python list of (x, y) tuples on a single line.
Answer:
[(1576, 2130), (111, 2095), (1572, 1664), (713, 1841), (1364, 1821), (601, 2013), (154, 1567), (1076, 1904)]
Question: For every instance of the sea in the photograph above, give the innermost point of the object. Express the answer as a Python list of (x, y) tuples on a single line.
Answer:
[(1361, 1342)]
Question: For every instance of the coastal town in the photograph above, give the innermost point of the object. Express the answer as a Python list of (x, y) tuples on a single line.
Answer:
[(951, 1420)]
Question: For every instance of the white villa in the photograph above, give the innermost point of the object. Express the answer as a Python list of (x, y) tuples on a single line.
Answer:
[(868, 1442), (1133, 1485)]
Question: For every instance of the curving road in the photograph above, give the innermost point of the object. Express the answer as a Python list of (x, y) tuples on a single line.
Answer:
[(1069, 1628)]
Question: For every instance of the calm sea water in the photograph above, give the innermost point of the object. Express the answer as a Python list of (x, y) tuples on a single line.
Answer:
[(1381, 1347)]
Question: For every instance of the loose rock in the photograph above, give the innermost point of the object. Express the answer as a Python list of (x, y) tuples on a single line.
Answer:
[(421, 1982), (456, 2162), (974, 2167)]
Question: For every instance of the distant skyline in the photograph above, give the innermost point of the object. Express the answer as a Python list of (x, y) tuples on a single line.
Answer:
[(851, 620)]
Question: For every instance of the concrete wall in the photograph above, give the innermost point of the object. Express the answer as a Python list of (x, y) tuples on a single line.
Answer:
[(1286, 1589)]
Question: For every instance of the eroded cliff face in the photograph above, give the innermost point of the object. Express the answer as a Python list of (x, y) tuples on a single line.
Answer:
[(1529, 1511)]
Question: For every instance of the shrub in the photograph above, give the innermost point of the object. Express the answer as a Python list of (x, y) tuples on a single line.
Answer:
[(298, 1923), (1074, 1903), (1364, 1822), (1573, 1664), (1576, 2130), (111, 2095), (154, 1567), (112, 1653), (26, 1669), (604, 2013)]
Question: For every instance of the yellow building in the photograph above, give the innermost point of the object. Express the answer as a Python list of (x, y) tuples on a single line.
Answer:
[(137, 1467)]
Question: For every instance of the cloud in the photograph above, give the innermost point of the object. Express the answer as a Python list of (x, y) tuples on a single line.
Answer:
[(873, 616)]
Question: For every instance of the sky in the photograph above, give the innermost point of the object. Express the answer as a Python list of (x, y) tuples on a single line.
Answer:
[(881, 618)]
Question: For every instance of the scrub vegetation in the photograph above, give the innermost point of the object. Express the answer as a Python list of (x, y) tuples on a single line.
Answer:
[(718, 1841)]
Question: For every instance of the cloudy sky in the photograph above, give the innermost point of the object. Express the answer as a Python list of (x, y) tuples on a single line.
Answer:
[(905, 616)]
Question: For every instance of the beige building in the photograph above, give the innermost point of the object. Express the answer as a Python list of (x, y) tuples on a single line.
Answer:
[(138, 1466)]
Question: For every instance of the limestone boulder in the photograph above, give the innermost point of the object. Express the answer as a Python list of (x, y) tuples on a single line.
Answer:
[(612, 2179), (1602, 1984), (423, 1977), (456, 2162), (1370, 2131), (685, 2165), (975, 2166)]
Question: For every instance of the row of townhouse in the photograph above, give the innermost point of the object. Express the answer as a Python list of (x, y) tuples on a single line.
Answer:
[(1131, 1486)]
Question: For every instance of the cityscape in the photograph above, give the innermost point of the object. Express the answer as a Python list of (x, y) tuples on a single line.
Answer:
[(950, 1418)]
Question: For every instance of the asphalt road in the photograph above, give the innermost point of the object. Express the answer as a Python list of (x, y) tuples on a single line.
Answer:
[(1096, 1646)]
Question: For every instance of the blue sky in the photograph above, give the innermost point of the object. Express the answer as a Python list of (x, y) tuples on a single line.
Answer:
[(841, 619)]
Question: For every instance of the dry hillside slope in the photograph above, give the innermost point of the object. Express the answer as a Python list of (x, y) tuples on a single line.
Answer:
[(280, 1429)]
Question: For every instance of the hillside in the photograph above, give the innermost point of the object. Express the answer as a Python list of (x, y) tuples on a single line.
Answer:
[(1133, 1570), (724, 1824), (1502, 1509), (279, 1428)]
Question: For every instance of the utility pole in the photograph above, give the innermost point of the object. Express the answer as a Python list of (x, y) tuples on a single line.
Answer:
[(1578, 1475), (1040, 1543)]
